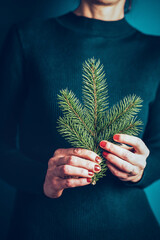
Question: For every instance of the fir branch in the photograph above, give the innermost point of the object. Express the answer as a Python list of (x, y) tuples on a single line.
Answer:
[(85, 126), (74, 134), (131, 127), (122, 111), (71, 106), (95, 93)]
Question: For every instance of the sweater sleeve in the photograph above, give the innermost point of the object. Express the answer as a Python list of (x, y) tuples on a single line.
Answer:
[(16, 169), (151, 138)]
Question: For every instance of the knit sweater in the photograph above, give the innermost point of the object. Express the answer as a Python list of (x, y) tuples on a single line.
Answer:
[(38, 60)]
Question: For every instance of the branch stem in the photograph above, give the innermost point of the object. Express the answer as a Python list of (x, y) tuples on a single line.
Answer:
[(78, 116)]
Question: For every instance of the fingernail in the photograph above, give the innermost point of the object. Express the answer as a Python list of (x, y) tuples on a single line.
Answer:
[(97, 168), (102, 144), (90, 173), (105, 154), (89, 179), (116, 137), (98, 159)]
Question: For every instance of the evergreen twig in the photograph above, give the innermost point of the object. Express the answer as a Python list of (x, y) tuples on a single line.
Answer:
[(86, 125)]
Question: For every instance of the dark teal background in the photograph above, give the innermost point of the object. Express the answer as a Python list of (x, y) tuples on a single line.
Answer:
[(143, 16)]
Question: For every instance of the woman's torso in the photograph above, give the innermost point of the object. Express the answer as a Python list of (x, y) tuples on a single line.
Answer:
[(54, 57)]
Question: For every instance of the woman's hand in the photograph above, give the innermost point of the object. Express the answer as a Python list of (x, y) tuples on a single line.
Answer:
[(73, 163), (127, 163)]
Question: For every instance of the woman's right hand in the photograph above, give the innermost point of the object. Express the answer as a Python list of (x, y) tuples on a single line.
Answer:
[(75, 162)]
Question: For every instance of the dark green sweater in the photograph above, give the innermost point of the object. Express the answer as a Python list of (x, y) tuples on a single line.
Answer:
[(39, 59)]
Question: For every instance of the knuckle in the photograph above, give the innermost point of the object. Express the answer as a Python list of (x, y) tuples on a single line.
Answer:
[(147, 152), (71, 160), (138, 141), (117, 173), (81, 181), (77, 151), (142, 162), (58, 151), (65, 170), (125, 155), (68, 183), (124, 167), (50, 163)]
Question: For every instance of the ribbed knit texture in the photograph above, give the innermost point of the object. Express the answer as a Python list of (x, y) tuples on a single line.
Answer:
[(39, 59)]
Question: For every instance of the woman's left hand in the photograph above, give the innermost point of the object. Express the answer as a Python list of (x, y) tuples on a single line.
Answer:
[(127, 163)]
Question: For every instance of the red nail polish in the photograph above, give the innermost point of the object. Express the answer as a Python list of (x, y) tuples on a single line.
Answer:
[(105, 154), (90, 173), (102, 144), (98, 159), (97, 168), (89, 180), (116, 137)]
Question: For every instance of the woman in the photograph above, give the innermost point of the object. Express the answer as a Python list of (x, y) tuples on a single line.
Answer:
[(55, 199)]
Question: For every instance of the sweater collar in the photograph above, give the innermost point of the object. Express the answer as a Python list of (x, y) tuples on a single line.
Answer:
[(96, 27)]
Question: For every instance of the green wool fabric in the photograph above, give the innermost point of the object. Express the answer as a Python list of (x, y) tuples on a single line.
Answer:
[(39, 59)]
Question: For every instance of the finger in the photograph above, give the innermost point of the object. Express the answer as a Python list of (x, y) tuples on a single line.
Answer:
[(118, 151), (134, 141), (64, 170), (135, 159), (72, 182), (77, 162), (121, 164), (79, 152), (116, 172)]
